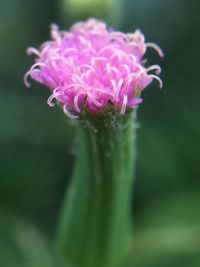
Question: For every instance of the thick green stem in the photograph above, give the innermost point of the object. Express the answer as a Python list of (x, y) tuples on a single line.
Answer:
[(108, 10), (95, 228)]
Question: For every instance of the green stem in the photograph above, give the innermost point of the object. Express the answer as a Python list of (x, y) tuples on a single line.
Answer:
[(75, 10), (95, 228)]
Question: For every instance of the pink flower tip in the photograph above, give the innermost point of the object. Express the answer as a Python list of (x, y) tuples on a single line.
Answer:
[(91, 67)]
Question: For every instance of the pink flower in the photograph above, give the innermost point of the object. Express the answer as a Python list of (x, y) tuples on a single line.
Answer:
[(92, 67)]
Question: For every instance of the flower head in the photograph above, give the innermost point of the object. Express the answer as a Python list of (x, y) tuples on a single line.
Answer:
[(91, 67)]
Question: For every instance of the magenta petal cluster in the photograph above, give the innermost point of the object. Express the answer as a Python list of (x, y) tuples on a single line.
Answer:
[(91, 68)]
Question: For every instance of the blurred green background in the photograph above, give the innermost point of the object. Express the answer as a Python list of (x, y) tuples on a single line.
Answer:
[(36, 142)]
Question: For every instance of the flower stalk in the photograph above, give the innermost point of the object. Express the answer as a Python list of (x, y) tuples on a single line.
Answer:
[(95, 226), (109, 10)]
